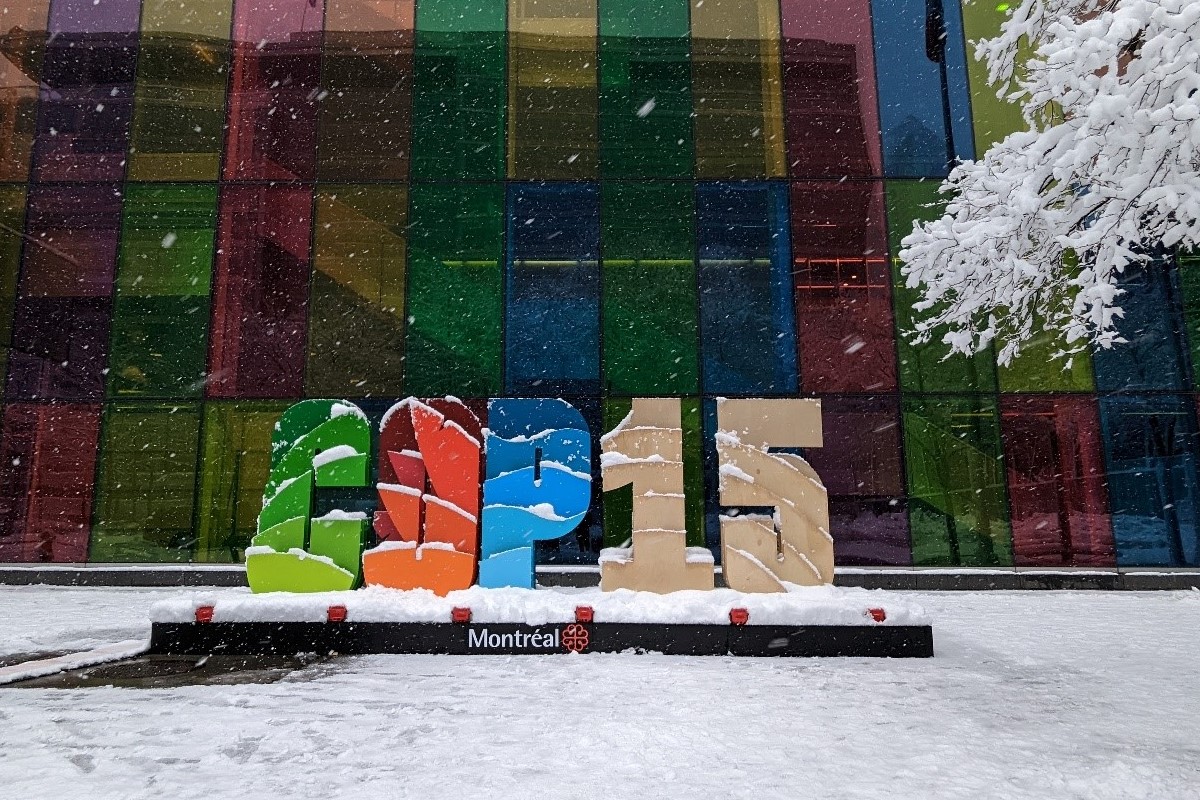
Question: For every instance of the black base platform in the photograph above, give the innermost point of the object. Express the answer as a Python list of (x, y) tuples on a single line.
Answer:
[(363, 638)]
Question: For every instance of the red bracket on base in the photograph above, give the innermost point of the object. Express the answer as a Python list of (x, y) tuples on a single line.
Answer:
[(336, 614), (877, 614), (738, 616), (461, 615), (204, 614), (584, 614)]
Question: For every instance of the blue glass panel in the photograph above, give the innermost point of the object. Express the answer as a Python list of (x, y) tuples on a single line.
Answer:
[(1150, 449), (552, 316), (924, 102), (747, 319), (1156, 354)]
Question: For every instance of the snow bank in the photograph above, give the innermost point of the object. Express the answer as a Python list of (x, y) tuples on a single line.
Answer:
[(88, 658), (820, 605)]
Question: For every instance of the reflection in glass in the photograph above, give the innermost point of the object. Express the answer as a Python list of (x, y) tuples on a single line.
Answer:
[(366, 90), (1056, 481), (650, 329), (47, 466), (829, 86), (1150, 449), (459, 89), (747, 317), (924, 104), (957, 506), (146, 484), (552, 322), (12, 225), (260, 298), (736, 85), (843, 287), (22, 47), (179, 109), (356, 313), (552, 91)]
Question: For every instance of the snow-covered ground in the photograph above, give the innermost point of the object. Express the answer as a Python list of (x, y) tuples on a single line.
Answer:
[(1032, 695)]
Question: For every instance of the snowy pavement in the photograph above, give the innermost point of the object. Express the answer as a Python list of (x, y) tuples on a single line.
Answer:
[(1031, 695)]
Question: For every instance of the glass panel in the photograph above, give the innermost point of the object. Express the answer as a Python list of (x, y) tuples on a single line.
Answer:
[(921, 367), (1189, 287), (1056, 482), (1155, 354), (160, 320), (260, 302), (645, 89), (1150, 450), (736, 83), (747, 320), (1037, 369), (843, 287), (829, 83), (994, 118), (956, 503), (12, 223), (21, 52), (64, 299), (273, 90), (146, 487), (924, 105), (649, 289), (366, 84), (47, 467), (236, 462), (182, 71), (860, 464), (459, 95), (455, 290), (86, 90), (552, 340), (356, 321), (552, 92)]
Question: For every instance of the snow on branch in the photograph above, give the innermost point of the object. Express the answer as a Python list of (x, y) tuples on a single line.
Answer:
[(1039, 231)]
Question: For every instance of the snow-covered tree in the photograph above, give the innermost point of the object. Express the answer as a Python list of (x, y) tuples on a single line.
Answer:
[(1038, 231)]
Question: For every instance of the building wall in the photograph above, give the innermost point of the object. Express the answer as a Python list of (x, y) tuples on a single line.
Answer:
[(210, 209)]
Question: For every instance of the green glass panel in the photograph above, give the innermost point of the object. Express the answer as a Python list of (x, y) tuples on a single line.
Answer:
[(1037, 370), (356, 306), (179, 101), (12, 222), (455, 290), (957, 504), (650, 335), (737, 89), (618, 504), (1189, 284), (645, 89), (993, 118), (922, 368), (161, 309), (459, 93), (552, 89), (24, 47), (147, 481), (236, 463), (366, 100)]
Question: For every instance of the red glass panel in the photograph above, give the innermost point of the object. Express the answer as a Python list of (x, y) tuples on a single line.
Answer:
[(829, 88), (47, 469), (260, 302), (843, 287), (64, 300), (23, 47), (86, 81), (273, 90), (861, 465), (1056, 481)]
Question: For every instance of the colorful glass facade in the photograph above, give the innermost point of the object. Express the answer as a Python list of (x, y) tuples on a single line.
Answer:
[(212, 209)]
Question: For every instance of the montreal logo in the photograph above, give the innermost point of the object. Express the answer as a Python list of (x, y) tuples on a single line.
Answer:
[(572, 637)]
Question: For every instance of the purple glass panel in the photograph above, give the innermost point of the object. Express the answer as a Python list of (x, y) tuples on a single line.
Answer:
[(843, 287), (1056, 481), (260, 302), (273, 90), (861, 466), (87, 90), (47, 468), (64, 300), (829, 88)]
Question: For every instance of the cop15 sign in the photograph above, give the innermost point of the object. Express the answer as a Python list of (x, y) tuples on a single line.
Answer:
[(462, 504)]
